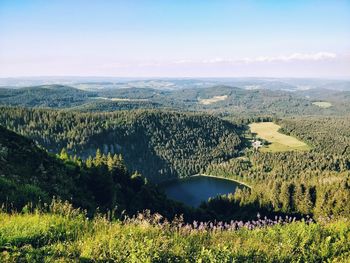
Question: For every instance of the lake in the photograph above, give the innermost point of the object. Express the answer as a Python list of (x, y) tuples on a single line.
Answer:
[(195, 189)]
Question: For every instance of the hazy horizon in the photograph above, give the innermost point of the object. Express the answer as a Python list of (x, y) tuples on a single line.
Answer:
[(182, 39)]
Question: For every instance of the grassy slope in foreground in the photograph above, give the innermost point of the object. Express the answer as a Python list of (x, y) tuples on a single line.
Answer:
[(279, 142), (67, 236)]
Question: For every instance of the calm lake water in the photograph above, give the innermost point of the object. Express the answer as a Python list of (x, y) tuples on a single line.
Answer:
[(196, 189)]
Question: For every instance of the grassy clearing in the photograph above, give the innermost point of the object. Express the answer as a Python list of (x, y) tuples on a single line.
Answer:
[(279, 142), (60, 238), (119, 99), (213, 100), (322, 104)]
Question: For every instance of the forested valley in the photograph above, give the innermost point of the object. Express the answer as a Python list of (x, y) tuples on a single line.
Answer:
[(162, 145), (174, 131), (315, 182), (158, 144), (69, 163)]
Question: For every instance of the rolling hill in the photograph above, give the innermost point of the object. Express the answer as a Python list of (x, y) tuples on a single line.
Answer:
[(53, 96), (221, 99), (159, 144)]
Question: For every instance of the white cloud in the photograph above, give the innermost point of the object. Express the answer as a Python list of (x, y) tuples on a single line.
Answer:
[(293, 57), (261, 59), (319, 56), (183, 61)]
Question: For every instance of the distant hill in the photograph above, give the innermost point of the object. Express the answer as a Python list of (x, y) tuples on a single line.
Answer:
[(222, 99), (338, 99), (105, 105), (219, 99), (336, 85), (247, 102), (53, 96)]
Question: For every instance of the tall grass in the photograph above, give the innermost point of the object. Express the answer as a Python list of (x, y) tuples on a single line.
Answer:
[(63, 234)]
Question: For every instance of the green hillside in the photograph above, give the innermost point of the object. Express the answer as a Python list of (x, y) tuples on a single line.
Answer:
[(52, 96), (221, 99), (313, 182), (66, 235), (30, 175), (159, 144), (285, 187)]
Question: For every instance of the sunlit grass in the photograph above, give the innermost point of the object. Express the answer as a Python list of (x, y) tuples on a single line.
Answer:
[(278, 142), (71, 237), (323, 104), (213, 100)]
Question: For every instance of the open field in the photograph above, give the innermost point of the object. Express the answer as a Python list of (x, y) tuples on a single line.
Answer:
[(279, 142), (322, 104), (212, 100), (120, 99)]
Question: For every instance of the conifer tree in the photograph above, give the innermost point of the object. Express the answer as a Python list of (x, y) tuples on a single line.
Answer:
[(64, 155)]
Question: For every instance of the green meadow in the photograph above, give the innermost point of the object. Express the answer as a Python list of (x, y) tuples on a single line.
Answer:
[(67, 235), (322, 104), (278, 142)]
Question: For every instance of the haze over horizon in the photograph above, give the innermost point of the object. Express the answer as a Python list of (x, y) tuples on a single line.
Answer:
[(175, 39)]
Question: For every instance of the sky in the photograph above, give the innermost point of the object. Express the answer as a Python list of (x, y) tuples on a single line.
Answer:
[(175, 38)]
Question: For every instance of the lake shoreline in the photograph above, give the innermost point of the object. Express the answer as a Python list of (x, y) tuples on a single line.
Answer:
[(198, 188), (206, 175), (225, 178)]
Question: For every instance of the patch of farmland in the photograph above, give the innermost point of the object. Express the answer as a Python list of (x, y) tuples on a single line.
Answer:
[(278, 142), (119, 99), (322, 104), (213, 100)]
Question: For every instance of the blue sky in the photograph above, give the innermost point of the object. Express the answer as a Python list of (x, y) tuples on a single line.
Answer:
[(171, 38)]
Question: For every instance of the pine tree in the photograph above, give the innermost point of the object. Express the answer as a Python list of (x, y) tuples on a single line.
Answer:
[(89, 162), (286, 197), (64, 155), (110, 162), (98, 158)]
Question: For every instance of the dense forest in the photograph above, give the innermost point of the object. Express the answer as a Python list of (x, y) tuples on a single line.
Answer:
[(107, 163), (29, 175), (221, 99), (158, 144), (315, 182), (165, 144), (100, 183), (174, 131), (55, 96)]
